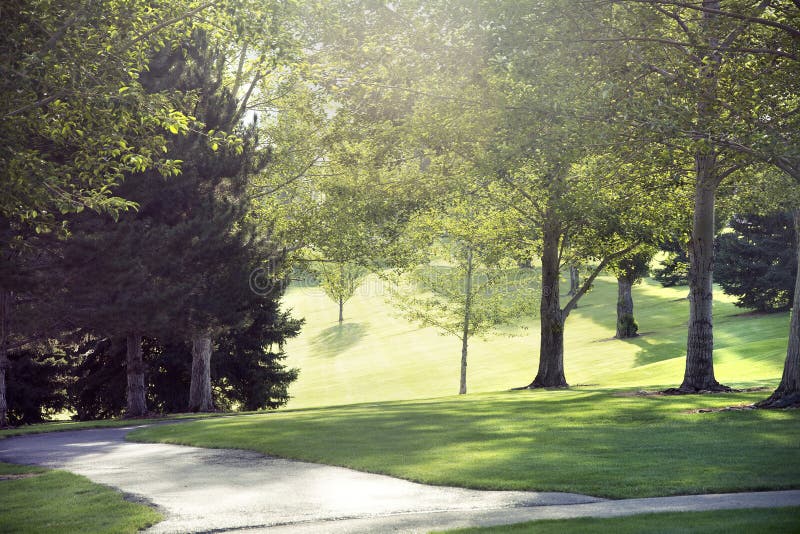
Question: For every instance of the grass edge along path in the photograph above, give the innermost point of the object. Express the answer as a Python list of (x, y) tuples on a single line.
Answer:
[(68, 426), (752, 520), (604, 443), (36, 499)]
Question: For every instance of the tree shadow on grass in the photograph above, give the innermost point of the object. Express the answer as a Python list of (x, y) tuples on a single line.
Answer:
[(591, 442), (655, 349), (340, 337)]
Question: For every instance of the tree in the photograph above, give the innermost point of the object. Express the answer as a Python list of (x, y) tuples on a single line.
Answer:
[(77, 116), (629, 271), (248, 369), (75, 120), (757, 261), (339, 280), (131, 278), (788, 391), (495, 97), (468, 288), (74, 113), (696, 89), (250, 373)]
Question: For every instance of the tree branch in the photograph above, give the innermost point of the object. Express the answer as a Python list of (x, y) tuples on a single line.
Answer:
[(573, 302), (160, 26), (794, 32)]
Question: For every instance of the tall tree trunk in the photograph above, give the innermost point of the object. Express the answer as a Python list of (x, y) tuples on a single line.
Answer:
[(462, 390), (551, 342), (341, 310), (136, 403), (626, 324), (699, 374), (788, 392), (200, 398), (5, 322)]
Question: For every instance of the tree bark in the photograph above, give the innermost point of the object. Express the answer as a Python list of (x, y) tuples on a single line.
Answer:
[(5, 320), (551, 341), (341, 310), (200, 398), (574, 280), (136, 402), (462, 390), (626, 324), (788, 391), (699, 373)]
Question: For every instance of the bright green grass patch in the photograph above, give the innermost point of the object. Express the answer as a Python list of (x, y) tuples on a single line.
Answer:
[(756, 520), (57, 501), (586, 441), (377, 356)]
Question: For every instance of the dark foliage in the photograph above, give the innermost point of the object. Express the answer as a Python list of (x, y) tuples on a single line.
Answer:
[(248, 362), (674, 270), (756, 262), (37, 386), (99, 389), (247, 370)]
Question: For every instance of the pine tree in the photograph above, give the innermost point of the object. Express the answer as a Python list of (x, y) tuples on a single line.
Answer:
[(674, 270), (177, 269), (756, 261)]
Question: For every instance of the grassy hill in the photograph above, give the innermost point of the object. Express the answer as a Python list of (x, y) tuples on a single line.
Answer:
[(377, 356)]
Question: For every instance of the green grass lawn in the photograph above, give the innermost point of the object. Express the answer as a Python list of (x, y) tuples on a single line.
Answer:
[(761, 520), (589, 439), (57, 501), (377, 356), (586, 440)]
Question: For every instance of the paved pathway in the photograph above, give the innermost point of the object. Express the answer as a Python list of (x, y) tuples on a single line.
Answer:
[(219, 490)]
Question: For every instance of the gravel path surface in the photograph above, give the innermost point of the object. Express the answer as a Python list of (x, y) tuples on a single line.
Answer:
[(221, 490)]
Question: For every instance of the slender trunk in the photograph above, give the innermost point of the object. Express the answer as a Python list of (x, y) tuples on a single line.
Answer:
[(136, 403), (626, 324), (699, 374), (341, 310), (462, 390), (551, 345), (574, 280), (5, 321), (200, 398), (788, 392)]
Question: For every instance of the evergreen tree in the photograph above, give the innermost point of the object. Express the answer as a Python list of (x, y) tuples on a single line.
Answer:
[(248, 362), (674, 270), (248, 369), (177, 268), (757, 263), (37, 389), (125, 279)]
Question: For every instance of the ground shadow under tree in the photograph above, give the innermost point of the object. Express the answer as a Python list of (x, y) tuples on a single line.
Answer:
[(340, 337)]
